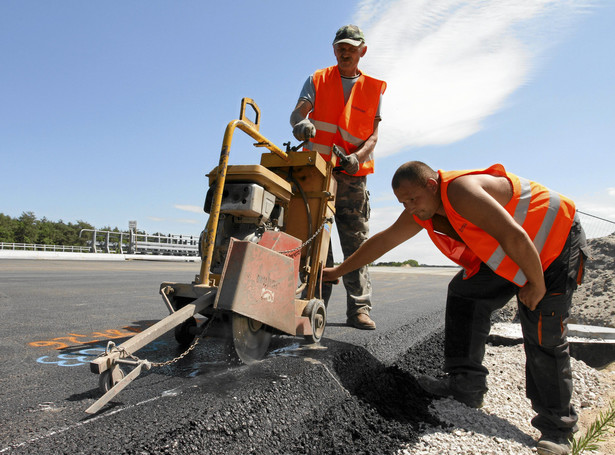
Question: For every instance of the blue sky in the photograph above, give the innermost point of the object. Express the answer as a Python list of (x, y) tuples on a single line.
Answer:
[(115, 111)]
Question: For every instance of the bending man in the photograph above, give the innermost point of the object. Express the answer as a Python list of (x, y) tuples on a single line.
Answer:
[(513, 237)]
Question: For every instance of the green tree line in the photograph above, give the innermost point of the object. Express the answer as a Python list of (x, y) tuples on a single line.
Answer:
[(29, 229), (408, 263)]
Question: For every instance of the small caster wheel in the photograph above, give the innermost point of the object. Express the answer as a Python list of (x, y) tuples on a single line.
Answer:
[(109, 378), (318, 320), (184, 333)]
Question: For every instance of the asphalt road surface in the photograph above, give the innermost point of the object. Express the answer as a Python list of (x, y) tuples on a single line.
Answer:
[(352, 391)]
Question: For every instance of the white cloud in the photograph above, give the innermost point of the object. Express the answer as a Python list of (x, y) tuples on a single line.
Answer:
[(189, 208), (187, 221), (158, 219), (387, 197), (449, 63)]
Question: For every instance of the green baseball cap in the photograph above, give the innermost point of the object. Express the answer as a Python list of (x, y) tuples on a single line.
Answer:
[(350, 34)]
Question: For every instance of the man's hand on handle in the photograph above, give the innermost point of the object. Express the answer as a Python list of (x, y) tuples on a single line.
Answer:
[(329, 275), (304, 130), (350, 163)]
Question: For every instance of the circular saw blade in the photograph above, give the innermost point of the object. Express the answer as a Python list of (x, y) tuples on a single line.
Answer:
[(250, 338)]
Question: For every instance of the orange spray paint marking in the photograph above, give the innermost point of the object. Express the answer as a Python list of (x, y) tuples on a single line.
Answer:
[(76, 339)]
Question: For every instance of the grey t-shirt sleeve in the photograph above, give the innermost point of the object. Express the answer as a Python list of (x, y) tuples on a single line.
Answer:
[(308, 92)]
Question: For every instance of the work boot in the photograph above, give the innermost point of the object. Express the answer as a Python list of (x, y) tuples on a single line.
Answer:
[(553, 445), (361, 321), (456, 386)]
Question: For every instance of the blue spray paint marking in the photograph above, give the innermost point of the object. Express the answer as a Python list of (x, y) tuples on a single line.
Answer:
[(71, 360), (87, 355)]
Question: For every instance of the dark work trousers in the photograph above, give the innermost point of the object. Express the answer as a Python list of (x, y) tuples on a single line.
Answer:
[(469, 305), (352, 212)]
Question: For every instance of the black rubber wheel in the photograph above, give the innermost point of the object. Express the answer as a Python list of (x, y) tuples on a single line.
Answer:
[(106, 381), (184, 333), (318, 320)]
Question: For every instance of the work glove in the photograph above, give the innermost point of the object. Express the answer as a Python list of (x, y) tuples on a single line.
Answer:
[(304, 130), (350, 163)]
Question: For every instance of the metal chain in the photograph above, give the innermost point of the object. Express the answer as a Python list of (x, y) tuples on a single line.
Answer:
[(120, 349), (289, 252), (179, 357)]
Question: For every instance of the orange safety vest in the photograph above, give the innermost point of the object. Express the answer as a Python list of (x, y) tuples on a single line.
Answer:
[(346, 125), (545, 215)]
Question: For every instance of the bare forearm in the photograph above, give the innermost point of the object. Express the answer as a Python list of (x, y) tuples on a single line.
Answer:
[(525, 255), (364, 152), (404, 228), (301, 111), (296, 117), (373, 248), (522, 251)]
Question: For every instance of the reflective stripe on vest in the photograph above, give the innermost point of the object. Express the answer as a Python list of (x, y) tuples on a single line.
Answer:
[(349, 124), (520, 215), (545, 215)]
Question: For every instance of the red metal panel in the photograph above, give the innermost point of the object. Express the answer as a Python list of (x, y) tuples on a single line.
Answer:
[(281, 241), (260, 284)]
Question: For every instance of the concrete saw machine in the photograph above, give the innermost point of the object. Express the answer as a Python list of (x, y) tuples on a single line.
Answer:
[(262, 255)]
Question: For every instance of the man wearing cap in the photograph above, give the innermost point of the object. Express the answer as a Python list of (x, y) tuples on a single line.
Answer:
[(340, 106)]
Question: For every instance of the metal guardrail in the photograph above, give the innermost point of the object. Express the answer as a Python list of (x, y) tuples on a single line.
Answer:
[(595, 226), (39, 247), (120, 243), (134, 243)]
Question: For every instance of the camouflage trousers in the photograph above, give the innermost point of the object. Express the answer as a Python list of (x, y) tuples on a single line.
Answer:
[(352, 221)]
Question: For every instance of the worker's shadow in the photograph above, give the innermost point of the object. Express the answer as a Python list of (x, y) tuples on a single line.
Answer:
[(393, 391)]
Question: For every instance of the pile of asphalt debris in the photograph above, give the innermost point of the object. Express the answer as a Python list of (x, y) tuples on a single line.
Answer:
[(365, 407)]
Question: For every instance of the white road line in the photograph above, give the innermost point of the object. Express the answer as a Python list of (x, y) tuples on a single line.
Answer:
[(78, 424)]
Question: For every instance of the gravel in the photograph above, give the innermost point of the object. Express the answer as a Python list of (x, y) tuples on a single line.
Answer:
[(502, 426), (593, 302)]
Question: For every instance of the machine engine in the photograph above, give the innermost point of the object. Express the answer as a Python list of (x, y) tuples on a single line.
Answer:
[(247, 210)]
